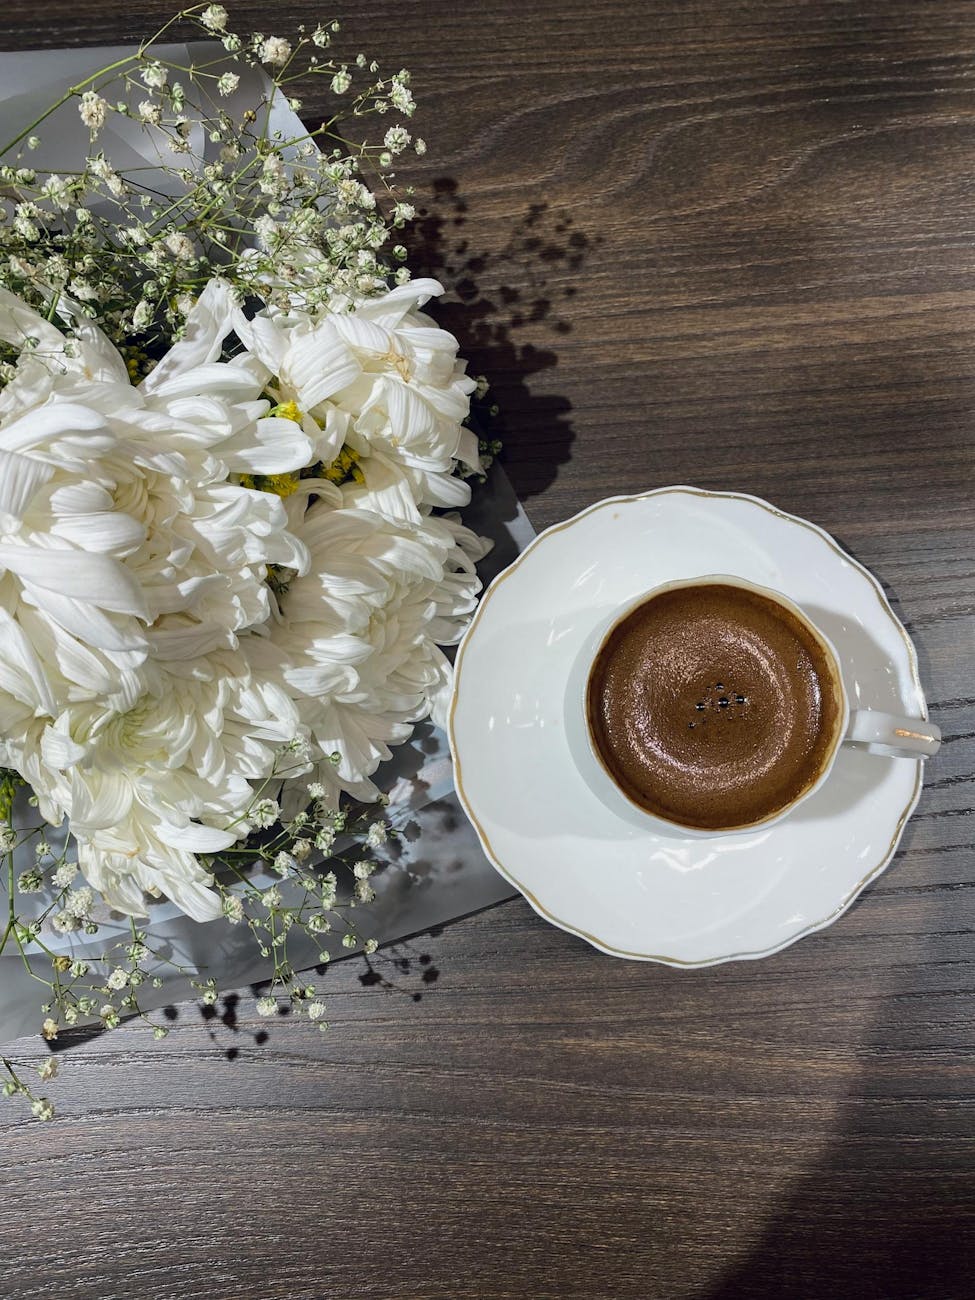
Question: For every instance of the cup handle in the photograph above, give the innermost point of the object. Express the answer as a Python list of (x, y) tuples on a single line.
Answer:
[(896, 737)]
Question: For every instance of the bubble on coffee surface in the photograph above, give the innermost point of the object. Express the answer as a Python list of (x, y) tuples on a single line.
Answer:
[(724, 703)]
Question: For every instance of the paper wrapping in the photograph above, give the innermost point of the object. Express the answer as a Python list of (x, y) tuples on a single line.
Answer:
[(433, 873)]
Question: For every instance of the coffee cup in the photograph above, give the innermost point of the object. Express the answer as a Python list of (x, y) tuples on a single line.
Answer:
[(715, 706)]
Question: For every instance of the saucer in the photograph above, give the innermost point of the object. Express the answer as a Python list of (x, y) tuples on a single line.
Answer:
[(627, 890)]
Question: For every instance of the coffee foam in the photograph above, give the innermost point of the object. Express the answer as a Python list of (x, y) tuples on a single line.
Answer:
[(713, 706)]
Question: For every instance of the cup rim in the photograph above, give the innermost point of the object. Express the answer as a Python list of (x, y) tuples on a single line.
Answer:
[(612, 791)]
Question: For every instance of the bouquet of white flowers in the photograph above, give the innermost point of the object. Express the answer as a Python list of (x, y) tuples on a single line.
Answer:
[(231, 448)]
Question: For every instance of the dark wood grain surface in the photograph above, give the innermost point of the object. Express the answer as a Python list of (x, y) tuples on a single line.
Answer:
[(731, 244)]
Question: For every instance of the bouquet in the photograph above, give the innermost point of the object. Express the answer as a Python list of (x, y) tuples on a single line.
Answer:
[(232, 448)]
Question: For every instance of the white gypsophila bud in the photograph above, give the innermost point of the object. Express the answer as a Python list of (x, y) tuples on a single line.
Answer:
[(155, 75), (142, 316), (376, 834), (179, 245), (214, 18), (341, 82), (265, 813), (284, 864), (48, 1069), (228, 83), (79, 902), (266, 231), (267, 1006), (233, 909), (41, 1108), (273, 179), (26, 228), (275, 51), (83, 290), (27, 271), (396, 139), (315, 1010), (59, 192), (150, 112), (93, 110), (8, 837), (117, 979)]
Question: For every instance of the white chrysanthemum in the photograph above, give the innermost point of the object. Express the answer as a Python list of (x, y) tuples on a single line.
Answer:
[(147, 789), (130, 567), (147, 676), (385, 379), (358, 640)]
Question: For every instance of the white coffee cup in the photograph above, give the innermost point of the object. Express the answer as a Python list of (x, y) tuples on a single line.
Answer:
[(883, 734)]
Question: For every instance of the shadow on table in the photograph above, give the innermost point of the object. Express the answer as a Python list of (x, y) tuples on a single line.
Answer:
[(523, 286), (888, 1213)]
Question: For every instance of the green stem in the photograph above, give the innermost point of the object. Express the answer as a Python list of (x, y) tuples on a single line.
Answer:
[(69, 94), (80, 86)]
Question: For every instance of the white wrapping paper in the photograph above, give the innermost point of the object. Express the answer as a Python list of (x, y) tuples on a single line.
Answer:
[(437, 870)]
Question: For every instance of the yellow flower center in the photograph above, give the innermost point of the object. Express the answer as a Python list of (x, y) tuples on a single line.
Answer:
[(282, 485), (344, 467), (287, 411)]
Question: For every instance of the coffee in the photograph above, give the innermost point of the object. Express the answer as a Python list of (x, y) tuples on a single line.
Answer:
[(713, 706)]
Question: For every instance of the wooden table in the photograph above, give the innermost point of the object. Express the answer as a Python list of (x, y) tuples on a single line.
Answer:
[(726, 244)]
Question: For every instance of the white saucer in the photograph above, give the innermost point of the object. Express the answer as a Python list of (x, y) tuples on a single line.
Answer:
[(682, 901)]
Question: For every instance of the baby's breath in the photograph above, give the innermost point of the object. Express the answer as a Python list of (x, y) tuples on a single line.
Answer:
[(265, 214), (306, 895), (214, 18), (281, 217)]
